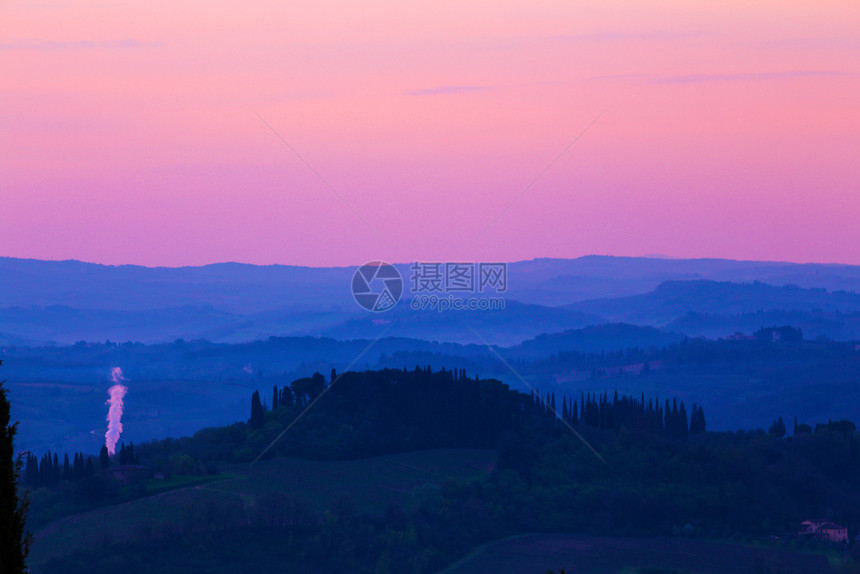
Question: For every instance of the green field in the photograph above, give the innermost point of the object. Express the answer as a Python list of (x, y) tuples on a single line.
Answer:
[(372, 484), (581, 554)]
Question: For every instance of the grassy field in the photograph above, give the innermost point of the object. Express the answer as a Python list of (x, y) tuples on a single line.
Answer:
[(581, 554), (371, 483)]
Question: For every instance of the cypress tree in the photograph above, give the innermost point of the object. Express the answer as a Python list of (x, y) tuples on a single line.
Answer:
[(32, 472), (14, 538), (777, 428), (79, 466), (45, 470), (256, 420), (683, 428)]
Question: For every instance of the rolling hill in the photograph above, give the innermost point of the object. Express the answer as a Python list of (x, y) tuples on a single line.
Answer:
[(62, 302), (674, 299)]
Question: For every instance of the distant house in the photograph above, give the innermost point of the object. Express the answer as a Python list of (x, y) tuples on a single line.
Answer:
[(834, 533), (128, 473), (821, 529), (812, 526)]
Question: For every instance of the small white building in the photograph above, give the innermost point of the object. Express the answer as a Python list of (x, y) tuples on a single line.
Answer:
[(824, 530), (833, 533)]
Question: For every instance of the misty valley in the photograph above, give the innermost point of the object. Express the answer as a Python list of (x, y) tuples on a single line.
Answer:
[(700, 424)]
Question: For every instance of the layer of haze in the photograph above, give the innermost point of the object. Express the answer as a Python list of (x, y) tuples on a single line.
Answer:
[(130, 131)]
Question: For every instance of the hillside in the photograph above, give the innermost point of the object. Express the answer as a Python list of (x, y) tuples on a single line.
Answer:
[(594, 339), (372, 484), (674, 299), (534, 554), (178, 388), (618, 466), (815, 324), (63, 302)]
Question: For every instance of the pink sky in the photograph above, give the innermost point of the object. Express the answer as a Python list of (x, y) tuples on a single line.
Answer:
[(129, 132)]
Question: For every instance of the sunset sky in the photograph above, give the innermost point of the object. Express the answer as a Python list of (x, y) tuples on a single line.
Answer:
[(139, 132)]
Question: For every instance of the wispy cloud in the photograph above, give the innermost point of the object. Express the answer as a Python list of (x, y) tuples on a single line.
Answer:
[(825, 43), (744, 77), (441, 90), (738, 77), (636, 36), (36, 45), (622, 77)]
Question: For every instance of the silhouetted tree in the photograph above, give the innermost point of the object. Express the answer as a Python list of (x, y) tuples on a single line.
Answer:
[(844, 427), (104, 457), (307, 389), (32, 470), (14, 538), (55, 470), (286, 398), (256, 420), (697, 420), (45, 470), (777, 428)]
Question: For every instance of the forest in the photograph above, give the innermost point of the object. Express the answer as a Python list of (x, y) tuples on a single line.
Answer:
[(605, 465)]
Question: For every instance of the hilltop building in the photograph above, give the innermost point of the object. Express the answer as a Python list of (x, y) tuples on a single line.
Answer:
[(821, 529)]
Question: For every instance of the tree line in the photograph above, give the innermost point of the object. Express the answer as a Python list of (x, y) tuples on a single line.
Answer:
[(48, 471)]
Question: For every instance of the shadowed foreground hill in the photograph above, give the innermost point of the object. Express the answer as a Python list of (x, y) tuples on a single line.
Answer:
[(593, 555), (262, 492), (634, 467)]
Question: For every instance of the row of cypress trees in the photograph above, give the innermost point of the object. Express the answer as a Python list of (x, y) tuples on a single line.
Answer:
[(601, 411), (49, 471)]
